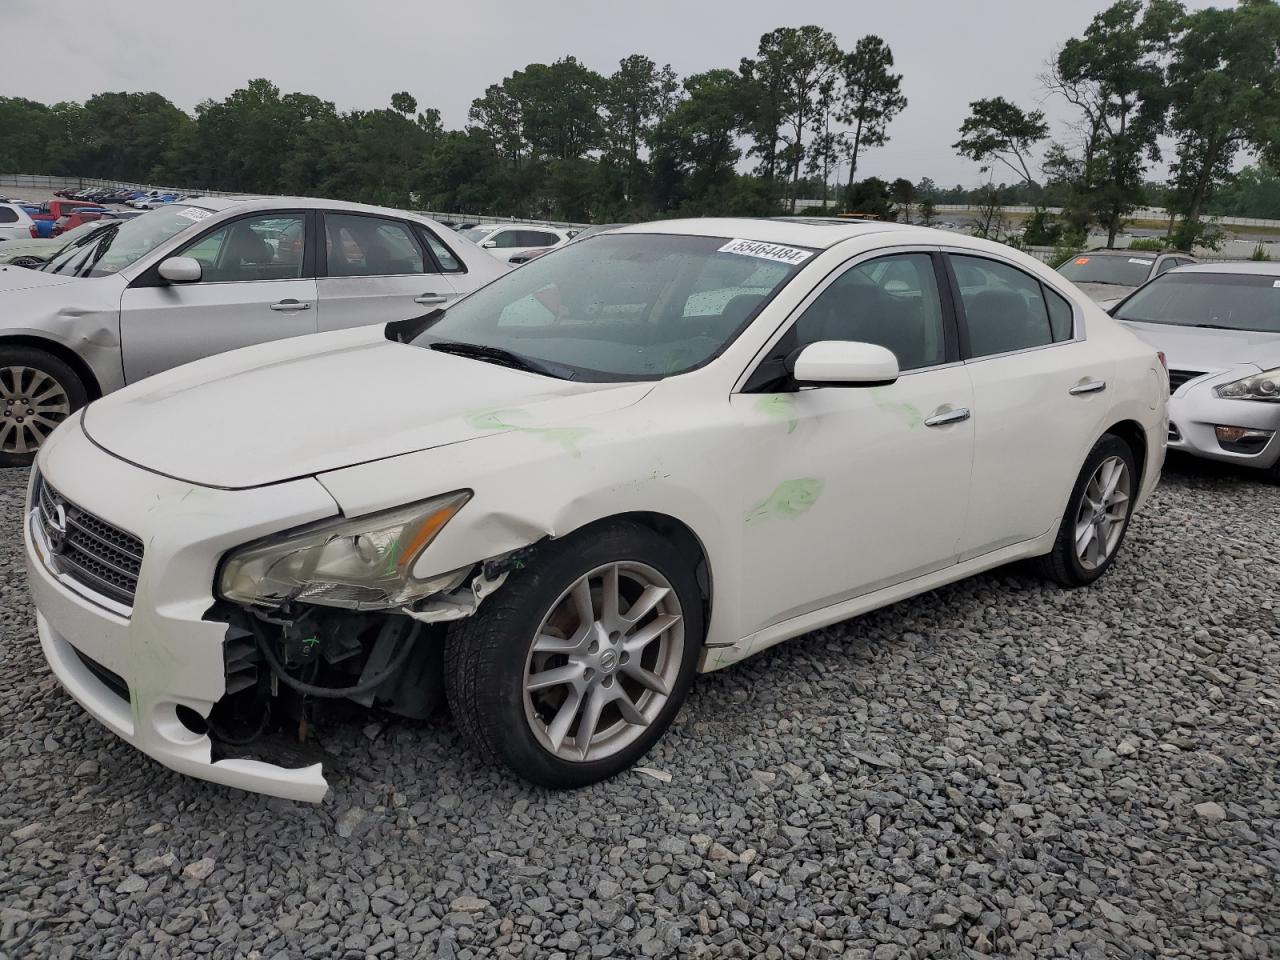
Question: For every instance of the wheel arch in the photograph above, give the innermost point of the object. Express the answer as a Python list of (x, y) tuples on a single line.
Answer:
[(685, 540), (64, 353), (1135, 437)]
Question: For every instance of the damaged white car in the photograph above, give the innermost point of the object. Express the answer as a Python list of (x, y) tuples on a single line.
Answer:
[(657, 451)]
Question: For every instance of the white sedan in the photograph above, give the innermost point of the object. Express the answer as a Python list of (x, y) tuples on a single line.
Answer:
[(662, 450), (505, 241)]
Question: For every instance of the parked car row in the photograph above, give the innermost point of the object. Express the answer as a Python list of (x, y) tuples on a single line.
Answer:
[(559, 466)]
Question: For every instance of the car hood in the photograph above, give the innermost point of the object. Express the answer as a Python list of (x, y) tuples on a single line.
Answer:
[(1200, 348), (299, 407), (21, 278), (1105, 294), (22, 248)]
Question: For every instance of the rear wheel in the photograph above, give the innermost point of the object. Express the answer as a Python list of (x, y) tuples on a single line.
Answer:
[(37, 392), (1097, 515), (572, 670)]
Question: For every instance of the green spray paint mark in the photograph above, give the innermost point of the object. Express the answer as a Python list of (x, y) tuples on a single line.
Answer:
[(567, 437), (780, 405), (789, 499), (393, 554), (311, 641), (913, 416)]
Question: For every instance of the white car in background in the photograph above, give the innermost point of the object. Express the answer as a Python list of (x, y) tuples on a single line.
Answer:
[(505, 241), (1219, 326), (202, 276), (15, 223), (661, 450)]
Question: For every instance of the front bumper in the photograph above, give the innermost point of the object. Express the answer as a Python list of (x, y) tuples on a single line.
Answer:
[(1195, 410), (162, 650)]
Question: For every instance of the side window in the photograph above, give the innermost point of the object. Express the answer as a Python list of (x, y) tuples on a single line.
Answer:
[(370, 247), (504, 239), (1167, 264), (268, 247), (537, 238), (891, 301), (8, 215), (1061, 319), (448, 262), (1004, 308)]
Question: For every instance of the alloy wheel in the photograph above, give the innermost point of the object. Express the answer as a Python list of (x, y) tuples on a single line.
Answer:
[(604, 661), (1103, 512), (32, 403)]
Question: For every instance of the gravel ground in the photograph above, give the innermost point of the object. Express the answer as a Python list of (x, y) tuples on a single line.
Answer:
[(998, 767)]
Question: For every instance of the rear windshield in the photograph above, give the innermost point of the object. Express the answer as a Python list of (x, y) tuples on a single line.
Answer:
[(623, 306), (1120, 271), (1231, 301)]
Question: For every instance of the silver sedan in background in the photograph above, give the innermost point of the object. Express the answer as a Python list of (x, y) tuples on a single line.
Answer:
[(1219, 328)]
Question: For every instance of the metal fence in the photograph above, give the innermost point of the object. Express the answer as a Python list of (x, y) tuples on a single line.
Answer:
[(1143, 213)]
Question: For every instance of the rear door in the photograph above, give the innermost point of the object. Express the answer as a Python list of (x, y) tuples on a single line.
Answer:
[(257, 284), (376, 269), (1039, 398)]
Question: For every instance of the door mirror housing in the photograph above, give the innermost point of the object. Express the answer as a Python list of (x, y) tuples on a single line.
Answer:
[(180, 269), (489, 244), (844, 363)]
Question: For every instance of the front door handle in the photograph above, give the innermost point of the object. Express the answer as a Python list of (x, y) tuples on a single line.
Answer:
[(941, 419), (431, 298), (290, 305), (1088, 386)]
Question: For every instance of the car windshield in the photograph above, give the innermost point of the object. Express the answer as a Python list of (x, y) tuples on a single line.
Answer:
[(475, 234), (1232, 301), (638, 306), (1117, 270), (120, 244)]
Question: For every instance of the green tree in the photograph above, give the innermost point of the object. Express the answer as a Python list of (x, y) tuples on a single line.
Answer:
[(997, 130), (904, 194), (1114, 75), (872, 97), (871, 197), (634, 98), (1224, 85)]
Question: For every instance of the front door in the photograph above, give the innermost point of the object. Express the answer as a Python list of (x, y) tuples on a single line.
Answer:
[(850, 489), (254, 287)]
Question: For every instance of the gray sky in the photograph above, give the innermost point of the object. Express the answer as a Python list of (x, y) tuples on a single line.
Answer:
[(358, 53)]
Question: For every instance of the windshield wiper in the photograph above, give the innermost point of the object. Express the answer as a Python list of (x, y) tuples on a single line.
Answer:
[(505, 358)]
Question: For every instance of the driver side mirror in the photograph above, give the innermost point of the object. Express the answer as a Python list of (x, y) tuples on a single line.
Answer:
[(844, 363), (180, 269), (489, 244)]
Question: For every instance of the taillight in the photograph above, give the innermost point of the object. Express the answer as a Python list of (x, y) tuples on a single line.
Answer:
[(35, 232), (1164, 361)]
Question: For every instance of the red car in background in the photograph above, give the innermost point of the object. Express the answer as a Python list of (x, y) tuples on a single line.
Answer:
[(77, 216), (53, 210)]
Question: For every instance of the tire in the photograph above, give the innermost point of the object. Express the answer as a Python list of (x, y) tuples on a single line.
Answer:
[(531, 631), (28, 370), (1065, 564)]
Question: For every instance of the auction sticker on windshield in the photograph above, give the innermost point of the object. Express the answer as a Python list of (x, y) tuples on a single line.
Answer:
[(766, 251), (1145, 263), (195, 214)]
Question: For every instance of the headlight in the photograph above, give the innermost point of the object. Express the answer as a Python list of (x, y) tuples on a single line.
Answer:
[(362, 564), (1260, 386)]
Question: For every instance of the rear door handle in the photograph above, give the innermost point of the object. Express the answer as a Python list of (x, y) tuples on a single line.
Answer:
[(958, 415), (431, 298), (290, 305), (1088, 386)]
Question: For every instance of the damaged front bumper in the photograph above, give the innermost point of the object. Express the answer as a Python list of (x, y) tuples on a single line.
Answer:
[(138, 669)]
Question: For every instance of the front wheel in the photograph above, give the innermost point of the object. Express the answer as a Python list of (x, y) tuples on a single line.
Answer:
[(571, 671), (1097, 516), (37, 392)]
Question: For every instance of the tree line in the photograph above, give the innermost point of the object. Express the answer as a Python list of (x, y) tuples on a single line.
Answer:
[(796, 119)]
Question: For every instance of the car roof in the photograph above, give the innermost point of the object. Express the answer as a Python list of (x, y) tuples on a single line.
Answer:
[(815, 232), (1258, 268)]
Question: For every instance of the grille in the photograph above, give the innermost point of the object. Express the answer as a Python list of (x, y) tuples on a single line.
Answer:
[(86, 548), (1178, 377)]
